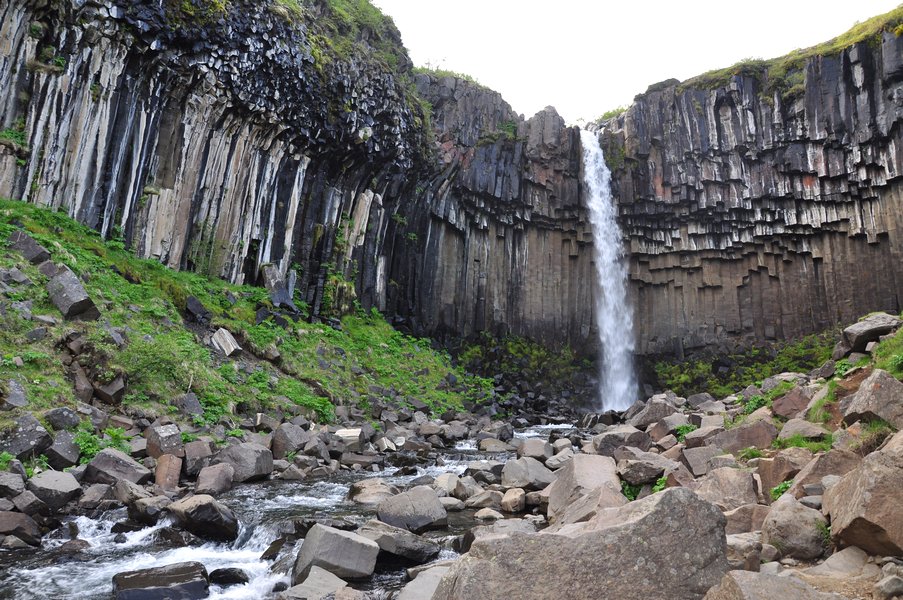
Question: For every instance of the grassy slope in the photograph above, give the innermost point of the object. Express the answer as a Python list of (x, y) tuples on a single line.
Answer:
[(319, 366)]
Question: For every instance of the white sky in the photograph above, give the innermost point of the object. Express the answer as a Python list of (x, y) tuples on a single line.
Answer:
[(585, 57)]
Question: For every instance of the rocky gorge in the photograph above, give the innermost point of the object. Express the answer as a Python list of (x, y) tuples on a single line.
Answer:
[(213, 204)]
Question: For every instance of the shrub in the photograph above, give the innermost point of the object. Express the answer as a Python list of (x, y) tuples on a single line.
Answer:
[(778, 490), (5, 459), (631, 491), (660, 484), (682, 431)]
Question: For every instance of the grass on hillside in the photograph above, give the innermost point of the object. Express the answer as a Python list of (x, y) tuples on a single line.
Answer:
[(319, 366), (785, 73)]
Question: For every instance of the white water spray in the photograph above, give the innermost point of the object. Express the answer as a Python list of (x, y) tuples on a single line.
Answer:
[(614, 316)]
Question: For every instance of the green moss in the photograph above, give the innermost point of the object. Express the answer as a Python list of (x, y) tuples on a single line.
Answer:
[(610, 114), (798, 441), (778, 490), (819, 413), (785, 73), (889, 355)]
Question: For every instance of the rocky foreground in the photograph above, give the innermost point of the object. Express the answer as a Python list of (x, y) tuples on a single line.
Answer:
[(739, 498)]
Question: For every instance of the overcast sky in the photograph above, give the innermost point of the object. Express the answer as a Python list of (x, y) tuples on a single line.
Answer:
[(587, 56)]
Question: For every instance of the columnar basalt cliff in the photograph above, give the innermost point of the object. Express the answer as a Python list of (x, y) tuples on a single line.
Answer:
[(754, 216), (224, 139)]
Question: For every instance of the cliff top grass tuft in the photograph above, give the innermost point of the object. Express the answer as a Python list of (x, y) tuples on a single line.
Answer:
[(785, 72), (163, 357)]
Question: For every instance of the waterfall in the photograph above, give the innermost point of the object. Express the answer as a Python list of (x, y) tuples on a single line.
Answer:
[(614, 315)]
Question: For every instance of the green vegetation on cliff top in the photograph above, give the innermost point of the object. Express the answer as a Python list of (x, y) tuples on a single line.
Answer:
[(318, 366), (784, 73)]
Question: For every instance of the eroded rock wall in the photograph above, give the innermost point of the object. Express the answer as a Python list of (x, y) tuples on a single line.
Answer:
[(756, 217)]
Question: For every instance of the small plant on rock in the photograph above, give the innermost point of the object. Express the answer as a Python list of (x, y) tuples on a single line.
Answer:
[(5, 459), (749, 453), (778, 490), (825, 530), (631, 491), (660, 484), (682, 431)]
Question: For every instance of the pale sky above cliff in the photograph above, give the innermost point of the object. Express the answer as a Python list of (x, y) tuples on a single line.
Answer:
[(586, 57)]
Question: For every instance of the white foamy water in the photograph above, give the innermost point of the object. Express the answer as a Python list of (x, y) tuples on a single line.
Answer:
[(614, 316), (542, 431)]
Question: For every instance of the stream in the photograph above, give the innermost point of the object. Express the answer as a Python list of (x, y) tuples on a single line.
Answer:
[(262, 509)]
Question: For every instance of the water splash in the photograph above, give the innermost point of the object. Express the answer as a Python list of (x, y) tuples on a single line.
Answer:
[(614, 315)]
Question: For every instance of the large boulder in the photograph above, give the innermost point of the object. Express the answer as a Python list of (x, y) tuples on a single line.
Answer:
[(498, 528), (759, 434), (782, 466), (54, 488), (215, 479), (371, 491), (797, 530), (20, 525), (399, 543), (833, 462), (205, 517), (249, 460), (637, 468), (424, 585), (342, 553), (26, 438), (880, 396), (417, 510), (527, 473), (536, 448), (746, 585), (68, 294), (869, 329), (288, 438), (11, 484), (620, 435), (319, 584), (576, 566), (654, 411), (64, 452), (111, 465), (164, 439), (185, 581), (864, 505), (28, 247), (582, 474), (727, 488)]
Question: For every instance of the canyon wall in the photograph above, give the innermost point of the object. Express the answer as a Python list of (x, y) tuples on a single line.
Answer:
[(222, 141)]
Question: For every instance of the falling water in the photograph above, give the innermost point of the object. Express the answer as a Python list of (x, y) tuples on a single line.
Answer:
[(614, 316)]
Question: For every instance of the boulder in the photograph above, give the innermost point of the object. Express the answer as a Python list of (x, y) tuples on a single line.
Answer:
[(166, 474), (759, 434), (846, 564), (342, 553), (205, 517), (416, 510), (864, 505), (424, 585), (371, 491), (644, 467), (727, 488), (26, 438), (535, 448), (746, 585), (228, 576), (869, 329), (198, 455), (880, 396), (529, 566), (584, 473), (499, 528), (11, 484), (54, 488), (288, 438), (514, 500), (68, 294), (215, 479), (792, 404), (111, 465), (164, 439), (833, 462), (795, 529), (28, 247), (744, 551), (20, 525), (148, 510), (620, 435), (485, 499), (64, 452), (782, 466), (802, 428), (400, 543), (653, 412), (250, 461), (527, 473), (560, 459), (698, 460), (62, 418), (185, 581), (318, 585), (224, 342), (745, 519), (493, 446)]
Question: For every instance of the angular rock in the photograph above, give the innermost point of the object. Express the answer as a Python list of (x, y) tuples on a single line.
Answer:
[(228, 576), (536, 448), (198, 455), (318, 585), (111, 392), (834, 462), (584, 473), (68, 294), (64, 452), (249, 460), (869, 329), (62, 418), (215, 479), (745, 519), (782, 466), (111, 465), (424, 585), (792, 404), (698, 460), (26, 438), (802, 428), (14, 396), (744, 551), (559, 460), (342, 553), (189, 404), (727, 488), (288, 438), (205, 517), (371, 491), (880, 396), (166, 474), (499, 528), (864, 505), (164, 439), (225, 343), (185, 581), (514, 500), (528, 566), (760, 434), (400, 543), (416, 510), (620, 435), (795, 529), (28, 247), (644, 467), (527, 473), (20, 525), (745, 585), (148, 510), (653, 412), (54, 488)]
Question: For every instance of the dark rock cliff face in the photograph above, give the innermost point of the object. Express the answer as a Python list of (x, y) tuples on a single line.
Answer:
[(228, 142), (751, 218)]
